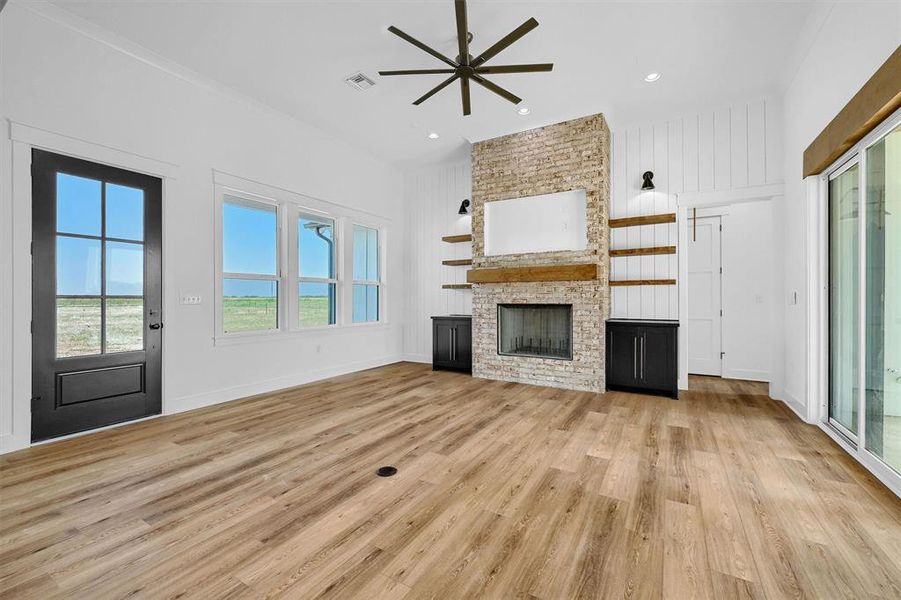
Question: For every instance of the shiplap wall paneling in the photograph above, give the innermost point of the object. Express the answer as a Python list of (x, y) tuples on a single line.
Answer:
[(433, 198), (727, 148), (644, 148)]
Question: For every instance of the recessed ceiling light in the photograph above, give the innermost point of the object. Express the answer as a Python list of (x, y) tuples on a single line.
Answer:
[(524, 110), (650, 77), (433, 136)]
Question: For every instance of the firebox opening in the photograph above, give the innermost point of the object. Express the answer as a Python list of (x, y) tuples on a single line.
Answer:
[(537, 330)]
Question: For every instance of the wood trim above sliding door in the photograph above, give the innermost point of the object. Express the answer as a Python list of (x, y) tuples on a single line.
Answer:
[(877, 99)]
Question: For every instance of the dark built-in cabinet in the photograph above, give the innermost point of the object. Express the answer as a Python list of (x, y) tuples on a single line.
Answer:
[(452, 342), (641, 356)]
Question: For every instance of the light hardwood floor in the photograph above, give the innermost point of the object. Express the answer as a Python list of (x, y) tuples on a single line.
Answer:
[(504, 491)]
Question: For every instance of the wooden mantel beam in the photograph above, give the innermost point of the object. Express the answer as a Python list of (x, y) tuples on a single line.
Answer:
[(877, 99), (570, 272)]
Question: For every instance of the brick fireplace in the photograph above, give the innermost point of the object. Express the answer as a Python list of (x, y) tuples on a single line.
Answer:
[(574, 155)]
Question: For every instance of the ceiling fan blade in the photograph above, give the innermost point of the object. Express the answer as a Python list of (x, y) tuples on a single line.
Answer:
[(462, 31), (421, 46), (464, 90), (435, 89), (416, 72), (497, 89), (505, 41), (535, 68)]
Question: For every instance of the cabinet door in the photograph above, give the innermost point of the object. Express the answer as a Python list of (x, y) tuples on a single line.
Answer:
[(463, 345), (623, 360), (442, 341), (656, 365)]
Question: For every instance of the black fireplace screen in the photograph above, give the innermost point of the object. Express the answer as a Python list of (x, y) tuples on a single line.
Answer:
[(542, 330)]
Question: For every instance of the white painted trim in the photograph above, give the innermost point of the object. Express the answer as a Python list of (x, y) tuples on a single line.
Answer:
[(23, 139), (682, 269), (80, 148), (746, 374), (733, 196), (418, 358), (186, 403)]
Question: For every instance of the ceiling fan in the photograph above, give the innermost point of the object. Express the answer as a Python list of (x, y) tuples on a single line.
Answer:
[(466, 67)]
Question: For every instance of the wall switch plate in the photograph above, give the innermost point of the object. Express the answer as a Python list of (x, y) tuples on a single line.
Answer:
[(190, 299)]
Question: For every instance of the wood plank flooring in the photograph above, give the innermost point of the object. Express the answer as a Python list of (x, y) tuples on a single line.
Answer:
[(503, 491)]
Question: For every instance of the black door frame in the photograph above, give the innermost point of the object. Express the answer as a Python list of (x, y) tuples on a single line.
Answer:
[(44, 393)]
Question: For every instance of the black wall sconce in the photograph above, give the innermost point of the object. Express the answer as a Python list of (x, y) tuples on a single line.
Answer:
[(464, 208), (647, 184)]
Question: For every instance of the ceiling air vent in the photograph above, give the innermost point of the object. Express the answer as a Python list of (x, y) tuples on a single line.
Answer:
[(359, 81)]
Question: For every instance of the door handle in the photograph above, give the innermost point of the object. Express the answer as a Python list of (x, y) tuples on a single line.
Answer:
[(450, 343), (156, 325), (641, 360), (635, 357)]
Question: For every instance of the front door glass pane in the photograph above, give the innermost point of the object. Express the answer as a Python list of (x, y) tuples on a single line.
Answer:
[(92, 270), (843, 299), (78, 203), (124, 212), (124, 269), (883, 314), (77, 326), (124, 324), (78, 266)]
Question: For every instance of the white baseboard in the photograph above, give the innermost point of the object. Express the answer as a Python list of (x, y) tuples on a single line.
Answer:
[(11, 443), (796, 406), (185, 403), (418, 358), (747, 374)]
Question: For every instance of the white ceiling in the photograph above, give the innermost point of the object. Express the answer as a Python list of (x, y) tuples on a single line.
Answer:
[(294, 56)]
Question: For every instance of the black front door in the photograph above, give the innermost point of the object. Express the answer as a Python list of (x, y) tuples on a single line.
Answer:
[(97, 295)]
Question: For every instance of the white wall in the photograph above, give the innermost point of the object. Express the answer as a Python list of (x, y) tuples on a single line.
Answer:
[(718, 150), (57, 78), (432, 198), (852, 41)]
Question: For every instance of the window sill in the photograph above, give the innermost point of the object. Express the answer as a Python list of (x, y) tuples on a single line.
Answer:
[(307, 332)]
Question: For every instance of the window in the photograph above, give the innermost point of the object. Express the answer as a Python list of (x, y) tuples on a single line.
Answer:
[(316, 271), (99, 267), (250, 271), (366, 275), (292, 265)]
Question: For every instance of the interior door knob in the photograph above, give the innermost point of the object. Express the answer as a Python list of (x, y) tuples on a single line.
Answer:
[(156, 325)]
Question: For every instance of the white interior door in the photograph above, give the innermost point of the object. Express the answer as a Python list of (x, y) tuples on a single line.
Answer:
[(705, 297)]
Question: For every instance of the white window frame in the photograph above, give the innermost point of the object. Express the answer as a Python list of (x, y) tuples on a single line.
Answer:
[(223, 194), (379, 283), (818, 287), (297, 213), (290, 205)]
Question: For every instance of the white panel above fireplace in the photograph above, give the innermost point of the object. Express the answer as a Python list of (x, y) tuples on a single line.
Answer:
[(545, 223)]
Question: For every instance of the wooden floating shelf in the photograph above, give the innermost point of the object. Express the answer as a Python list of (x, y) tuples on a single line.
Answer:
[(456, 286), (645, 220), (456, 239), (643, 282), (574, 272), (644, 251), (457, 262)]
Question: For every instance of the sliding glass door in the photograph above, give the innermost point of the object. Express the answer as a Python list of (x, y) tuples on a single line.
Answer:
[(844, 291), (864, 297), (883, 293)]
